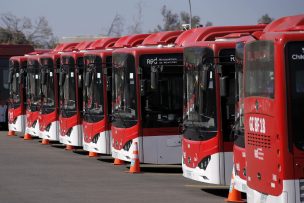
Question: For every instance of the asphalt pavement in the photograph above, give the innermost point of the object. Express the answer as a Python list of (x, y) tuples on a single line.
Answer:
[(34, 173)]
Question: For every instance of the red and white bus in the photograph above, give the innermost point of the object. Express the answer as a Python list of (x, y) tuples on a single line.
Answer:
[(70, 95), (97, 136), (273, 109), (209, 106), (97, 96), (147, 98), (9, 72), (239, 154), (33, 96), (16, 110), (17, 107), (49, 111)]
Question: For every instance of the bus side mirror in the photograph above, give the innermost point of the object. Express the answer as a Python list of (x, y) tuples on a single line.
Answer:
[(204, 79), (109, 83), (154, 78), (142, 87), (61, 78), (88, 79), (43, 77), (224, 86)]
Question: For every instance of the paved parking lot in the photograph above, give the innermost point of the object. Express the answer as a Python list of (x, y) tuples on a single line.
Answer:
[(31, 172)]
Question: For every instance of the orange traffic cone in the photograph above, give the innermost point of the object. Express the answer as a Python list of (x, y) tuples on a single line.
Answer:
[(11, 133), (93, 154), (45, 142), (118, 162), (135, 167), (27, 136), (234, 195), (69, 147)]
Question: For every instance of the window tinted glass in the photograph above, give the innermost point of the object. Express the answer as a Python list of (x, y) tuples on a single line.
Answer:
[(48, 90), (162, 106), (93, 89), (199, 117), (259, 71), (68, 88), (295, 85), (124, 90), (239, 96)]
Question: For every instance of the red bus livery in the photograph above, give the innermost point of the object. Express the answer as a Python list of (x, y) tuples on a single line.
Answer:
[(98, 95), (49, 111), (11, 88), (209, 106), (273, 109)]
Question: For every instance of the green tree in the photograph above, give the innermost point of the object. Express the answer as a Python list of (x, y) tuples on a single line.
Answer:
[(174, 21), (265, 19), (17, 30)]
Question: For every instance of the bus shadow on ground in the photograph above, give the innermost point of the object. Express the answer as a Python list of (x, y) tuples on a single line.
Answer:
[(217, 192), (58, 145), (220, 192), (146, 168), (106, 158)]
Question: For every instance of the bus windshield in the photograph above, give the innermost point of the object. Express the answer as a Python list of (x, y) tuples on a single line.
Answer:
[(295, 87), (33, 90), (14, 85), (259, 71), (162, 105), (93, 89), (48, 91), (68, 87), (124, 90), (199, 117), (239, 96)]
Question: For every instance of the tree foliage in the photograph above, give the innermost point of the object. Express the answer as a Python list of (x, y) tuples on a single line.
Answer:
[(15, 30), (136, 26), (116, 27), (265, 19), (174, 21)]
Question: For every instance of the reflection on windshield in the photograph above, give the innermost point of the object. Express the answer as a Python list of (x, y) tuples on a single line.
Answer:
[(162, 103), (93, 90), (259, 72), (68, 87), (239, 92), (124, 94), (33, 76), (48, 90), (199, 102), (69, 99), (14, 86)]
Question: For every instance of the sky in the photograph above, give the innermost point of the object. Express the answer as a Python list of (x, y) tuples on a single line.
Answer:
[(93, 17)]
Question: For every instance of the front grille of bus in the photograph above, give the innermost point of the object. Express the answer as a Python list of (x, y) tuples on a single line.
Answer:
[(302, 190), (259, 140)]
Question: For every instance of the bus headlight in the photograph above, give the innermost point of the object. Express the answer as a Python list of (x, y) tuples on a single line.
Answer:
[(204, 163), (69, 132), (95, 138), (34, 124), (127, 146), (47, 128)]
